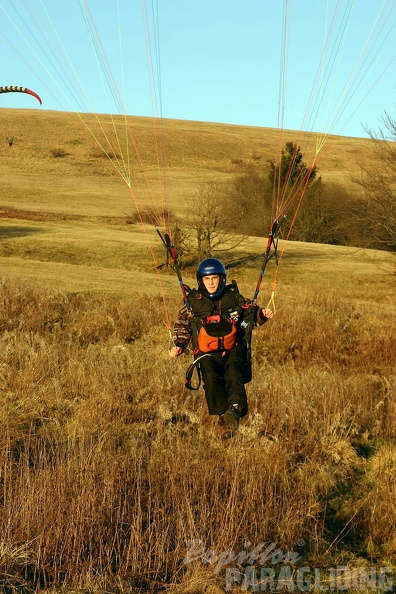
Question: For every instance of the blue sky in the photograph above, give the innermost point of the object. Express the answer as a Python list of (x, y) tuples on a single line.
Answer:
[(207, 60)]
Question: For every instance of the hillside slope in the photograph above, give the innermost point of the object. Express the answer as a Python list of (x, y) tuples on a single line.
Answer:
[(83, 181), (65, 209)]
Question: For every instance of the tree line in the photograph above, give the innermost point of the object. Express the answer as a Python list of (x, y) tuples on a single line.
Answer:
[(222, 215)]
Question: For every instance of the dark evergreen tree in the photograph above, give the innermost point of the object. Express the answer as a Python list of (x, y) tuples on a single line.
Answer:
[(292, 170)]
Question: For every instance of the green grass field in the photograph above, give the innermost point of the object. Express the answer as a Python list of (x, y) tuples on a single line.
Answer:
[(108, 466)]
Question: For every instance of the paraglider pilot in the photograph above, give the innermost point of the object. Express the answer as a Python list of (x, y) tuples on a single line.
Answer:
[(216, 321)]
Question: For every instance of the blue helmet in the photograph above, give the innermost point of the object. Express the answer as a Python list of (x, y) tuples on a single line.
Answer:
[(208, 267)]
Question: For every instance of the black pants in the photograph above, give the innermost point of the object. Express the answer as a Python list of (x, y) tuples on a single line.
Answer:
[(223, 375)]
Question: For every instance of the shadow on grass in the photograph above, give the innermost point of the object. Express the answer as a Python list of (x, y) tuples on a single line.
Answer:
[(297, 255), (15, 231), (256, 259)]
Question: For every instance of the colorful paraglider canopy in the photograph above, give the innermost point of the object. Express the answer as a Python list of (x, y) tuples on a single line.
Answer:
[(17, 89)]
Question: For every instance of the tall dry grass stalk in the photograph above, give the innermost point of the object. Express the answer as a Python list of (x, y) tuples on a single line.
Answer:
[(109, 469)]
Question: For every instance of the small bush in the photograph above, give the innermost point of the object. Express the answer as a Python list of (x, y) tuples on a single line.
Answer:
[(58, 153), (99, 153)]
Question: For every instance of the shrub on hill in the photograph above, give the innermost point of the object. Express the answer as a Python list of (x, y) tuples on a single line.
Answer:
[(328, 213), (59, 153)]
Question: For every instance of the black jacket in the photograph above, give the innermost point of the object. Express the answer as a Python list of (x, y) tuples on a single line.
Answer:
[(231, 306)]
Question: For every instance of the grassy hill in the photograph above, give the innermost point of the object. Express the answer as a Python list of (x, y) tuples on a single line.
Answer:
[(113, 478), (63, 202), (83, 182)]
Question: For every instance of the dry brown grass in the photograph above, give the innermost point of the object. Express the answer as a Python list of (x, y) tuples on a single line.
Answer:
[(108, 467), (83, 182)]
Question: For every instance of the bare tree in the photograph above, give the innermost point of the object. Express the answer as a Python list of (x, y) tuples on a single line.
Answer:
[(207, 227), (378, 181)]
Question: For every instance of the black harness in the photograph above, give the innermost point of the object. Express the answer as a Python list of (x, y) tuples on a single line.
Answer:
[(230, 308)]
